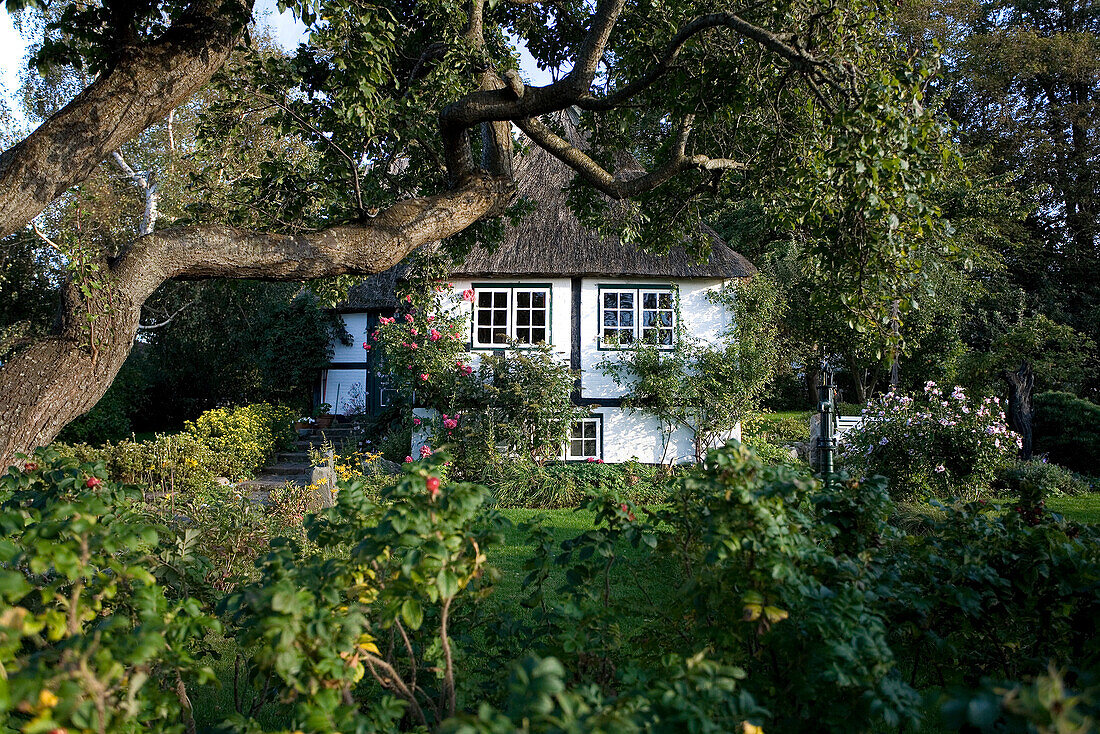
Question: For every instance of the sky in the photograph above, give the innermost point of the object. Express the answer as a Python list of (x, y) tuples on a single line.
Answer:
[(284, 27)]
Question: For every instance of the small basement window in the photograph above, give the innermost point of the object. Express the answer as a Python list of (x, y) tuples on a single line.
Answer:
[(632, 315), (585, 440), (503, 315)]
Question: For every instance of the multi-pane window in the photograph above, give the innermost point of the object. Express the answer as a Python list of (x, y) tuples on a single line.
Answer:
[(629, 315), (513, 314), (657, 317), (585, 440), (531, 313), (618, 316)]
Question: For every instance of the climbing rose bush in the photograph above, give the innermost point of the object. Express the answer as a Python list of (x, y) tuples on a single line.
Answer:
[(937, 442)]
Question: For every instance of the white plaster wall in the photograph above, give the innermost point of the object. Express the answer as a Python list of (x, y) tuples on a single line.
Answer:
[(356, 324), (701, 319), (639, 436)]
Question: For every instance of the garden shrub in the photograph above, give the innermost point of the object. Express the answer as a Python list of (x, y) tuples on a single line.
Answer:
[(1048, 480), (1067, 429), (986, 593), (227, 442), (168, 463), (88, 639), (777, 429), (243, 438), (932, 443)]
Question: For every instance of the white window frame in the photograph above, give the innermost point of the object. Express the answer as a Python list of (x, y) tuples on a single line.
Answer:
[(639, 293), (568, 448), (510, 325)]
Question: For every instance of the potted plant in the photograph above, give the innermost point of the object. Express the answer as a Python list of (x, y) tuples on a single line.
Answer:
[(324, 415), (304, 424)]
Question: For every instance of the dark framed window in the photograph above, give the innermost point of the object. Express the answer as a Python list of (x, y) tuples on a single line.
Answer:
[(644, 315), (507, 314)]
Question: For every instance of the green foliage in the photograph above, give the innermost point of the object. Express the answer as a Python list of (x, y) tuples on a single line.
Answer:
[(1041, 478), (931, 443), (703, 386), (88, 640), (1067, 429), (228, 442), (524, 484), (1061, 357), (1034, 574), (394, 567), (1045, 704), (764, 591)]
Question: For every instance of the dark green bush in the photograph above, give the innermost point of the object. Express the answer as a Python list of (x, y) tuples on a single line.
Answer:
[(1049, 480), (1067, 429)]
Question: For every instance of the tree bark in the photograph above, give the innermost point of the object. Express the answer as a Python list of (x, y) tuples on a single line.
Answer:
[(1020, 384), (140, 88), (57, 379)]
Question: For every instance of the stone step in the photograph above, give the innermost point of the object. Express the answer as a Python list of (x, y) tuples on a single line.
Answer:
[(293, 456), (268, 482), (287, 467)]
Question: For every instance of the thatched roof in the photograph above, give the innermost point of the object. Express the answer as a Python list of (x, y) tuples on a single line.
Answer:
[(378, 292), (551, 242)]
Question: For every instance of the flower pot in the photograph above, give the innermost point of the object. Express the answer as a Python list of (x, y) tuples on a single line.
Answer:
[(324, 421)]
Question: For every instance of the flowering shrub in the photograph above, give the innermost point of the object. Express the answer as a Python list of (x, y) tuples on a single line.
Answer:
[(229, 442), (933, 443), (424, 346)]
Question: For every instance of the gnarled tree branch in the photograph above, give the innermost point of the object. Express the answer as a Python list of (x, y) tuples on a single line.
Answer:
[(138, 90)]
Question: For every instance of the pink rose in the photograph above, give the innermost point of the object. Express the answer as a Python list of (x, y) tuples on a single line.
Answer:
[(409, 317), (408, 299), (416, 421), (431, 318), (408, 459), (468, 295), (450, 424), (412, 345), (435, 335), (424, 376), (413, 331), (425, 452), (365, 346)]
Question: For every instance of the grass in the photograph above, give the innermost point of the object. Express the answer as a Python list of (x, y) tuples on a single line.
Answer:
[(1083, 508)]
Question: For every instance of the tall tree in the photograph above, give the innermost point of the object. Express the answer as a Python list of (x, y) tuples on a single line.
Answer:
[(391, 95)]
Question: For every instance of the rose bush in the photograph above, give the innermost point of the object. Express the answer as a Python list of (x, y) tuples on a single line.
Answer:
[(936, 442)]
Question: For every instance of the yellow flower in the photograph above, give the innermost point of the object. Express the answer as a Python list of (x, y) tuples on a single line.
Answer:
[(747, 728), (47, 699)]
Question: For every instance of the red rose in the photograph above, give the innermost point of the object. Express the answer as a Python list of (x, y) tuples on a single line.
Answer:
[(433, 485), (30, 466), (93, 482)]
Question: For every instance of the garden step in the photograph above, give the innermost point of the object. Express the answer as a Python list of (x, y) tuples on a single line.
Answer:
[(287, 467), (293, 456), (268, 482)]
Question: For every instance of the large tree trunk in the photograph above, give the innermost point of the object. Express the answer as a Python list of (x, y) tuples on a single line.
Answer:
[(140, 88), (58, 379), (1020, 384)]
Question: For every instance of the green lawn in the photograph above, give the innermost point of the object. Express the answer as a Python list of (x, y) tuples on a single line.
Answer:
[(1084, 508)]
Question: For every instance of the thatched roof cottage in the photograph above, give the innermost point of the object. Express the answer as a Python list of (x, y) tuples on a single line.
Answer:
[(552, 280)]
